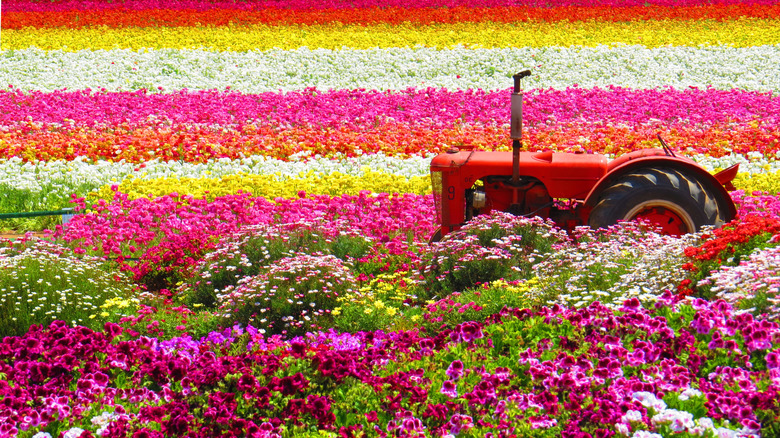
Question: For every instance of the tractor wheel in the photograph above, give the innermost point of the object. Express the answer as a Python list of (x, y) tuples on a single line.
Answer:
[(664, 196), (435, 237)]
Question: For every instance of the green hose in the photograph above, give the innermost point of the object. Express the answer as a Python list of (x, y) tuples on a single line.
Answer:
[(36, 213)]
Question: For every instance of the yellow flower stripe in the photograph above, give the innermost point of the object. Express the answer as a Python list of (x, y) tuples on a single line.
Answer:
[(743, 32), (268, 186), (758, 182), (335, 184)]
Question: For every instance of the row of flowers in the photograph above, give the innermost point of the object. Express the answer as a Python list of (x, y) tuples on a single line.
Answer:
[(635, 67), (368, 256), (200, 145), (172, 232), (744, 32), (363, 110), (148, 14), (608, 373), (303, 5)]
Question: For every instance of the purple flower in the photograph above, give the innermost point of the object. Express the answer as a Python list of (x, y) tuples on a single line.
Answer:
[(701, 323), (459, 422), (449, 388), (542, 422), (455, 370), (631, 304), (758, 340), (467, 332), (773, 359), (716, 342)]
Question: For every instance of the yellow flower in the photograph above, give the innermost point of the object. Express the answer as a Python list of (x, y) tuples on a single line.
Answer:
[(268, 186), (763, 182), (743, 32)]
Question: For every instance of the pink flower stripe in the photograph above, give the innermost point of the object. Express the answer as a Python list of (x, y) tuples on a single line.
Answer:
[(759, 203), (177, 230), (361, 109), (66, 5)]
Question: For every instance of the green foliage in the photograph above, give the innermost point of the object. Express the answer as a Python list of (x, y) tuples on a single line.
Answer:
[(379, 304), (162, 320), (15, 200), (476, 304)]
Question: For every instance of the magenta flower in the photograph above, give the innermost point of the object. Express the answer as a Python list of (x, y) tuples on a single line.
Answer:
[(449, 388), (455, 370), (458, 423), (773, 359)]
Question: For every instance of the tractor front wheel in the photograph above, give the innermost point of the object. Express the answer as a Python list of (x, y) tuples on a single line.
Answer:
[(665, 197)]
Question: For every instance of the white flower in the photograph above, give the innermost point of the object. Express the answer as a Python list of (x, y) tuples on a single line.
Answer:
[(649, 400), (705, 422), (678, 421), (632, 415), (260, 71), (688, 393), (73, 432)]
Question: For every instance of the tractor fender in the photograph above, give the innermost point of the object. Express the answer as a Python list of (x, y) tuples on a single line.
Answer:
[(624, 165)]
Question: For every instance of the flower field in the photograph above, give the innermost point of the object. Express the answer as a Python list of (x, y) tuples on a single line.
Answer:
[(249, 251)]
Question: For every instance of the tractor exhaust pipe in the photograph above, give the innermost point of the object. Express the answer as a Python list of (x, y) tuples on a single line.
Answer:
[(516, 125)]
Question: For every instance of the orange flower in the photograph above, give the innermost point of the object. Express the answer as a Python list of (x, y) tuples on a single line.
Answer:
[(124, 17)]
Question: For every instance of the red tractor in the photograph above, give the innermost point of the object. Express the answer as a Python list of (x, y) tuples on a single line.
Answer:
[(575, 189)]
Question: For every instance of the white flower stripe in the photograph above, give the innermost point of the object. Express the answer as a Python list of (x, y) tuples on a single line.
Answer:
[(751, 68)]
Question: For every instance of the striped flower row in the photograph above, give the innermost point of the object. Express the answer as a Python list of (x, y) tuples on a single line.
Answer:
[(744, 32), (149, 14), (298, 5), (335, 184), (181, 142), (17, 174), (364, 110), (722, 67)]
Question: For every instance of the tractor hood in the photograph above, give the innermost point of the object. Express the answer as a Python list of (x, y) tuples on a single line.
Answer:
[(566, 175)]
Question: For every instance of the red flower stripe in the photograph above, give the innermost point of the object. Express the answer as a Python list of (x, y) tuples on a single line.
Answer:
[(124, 16), (198, 144)]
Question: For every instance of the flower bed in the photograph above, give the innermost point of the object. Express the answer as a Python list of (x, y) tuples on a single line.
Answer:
[(250, 252), (676, 368)]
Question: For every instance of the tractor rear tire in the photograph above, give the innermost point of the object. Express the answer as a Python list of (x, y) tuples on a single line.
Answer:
[(667, 197)]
